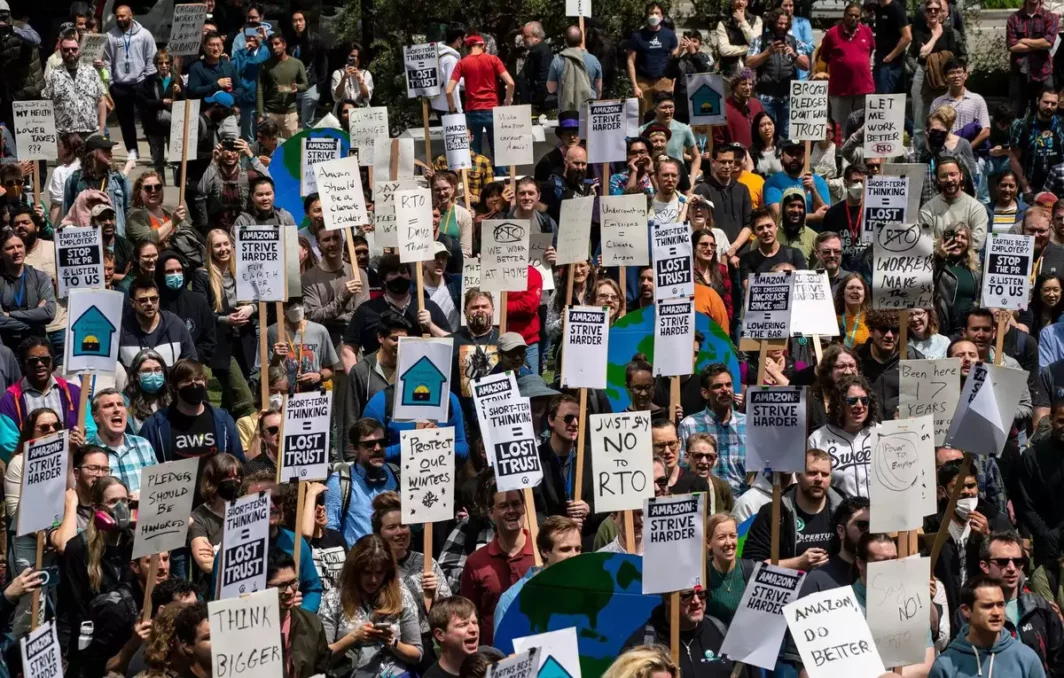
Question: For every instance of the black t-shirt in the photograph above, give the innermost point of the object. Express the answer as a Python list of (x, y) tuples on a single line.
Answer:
[(756, 262), (890, 20), (437, 671), (193, 436), (844, 219), (362, 330), (1049, 387), (652, 50), (814, 531)]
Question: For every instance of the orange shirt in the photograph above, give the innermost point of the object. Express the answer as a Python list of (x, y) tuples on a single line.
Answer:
[(707, 301)]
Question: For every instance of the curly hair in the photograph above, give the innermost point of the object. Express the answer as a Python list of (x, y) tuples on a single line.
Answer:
[(824, 384), (879, 317), (837, 410), (162, 639)]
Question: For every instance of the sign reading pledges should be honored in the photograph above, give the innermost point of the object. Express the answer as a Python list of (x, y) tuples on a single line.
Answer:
[(78, 258), (513, 135), (166, 492), (186, 31), (44, 475), (246, 533), (768, 305), (809, 110), (456, 142), (775, 428), (305, 448), (673, 268), (260, 263), (315, 151), (624, 230), (674, 338), (622, 456), (673, 543), (41, 654), (897, 606), (885, 202), (757, 628), (884, 125), (427, 477), (902, 277), (832, 635), (901, 485), (1007, 271), (584, 354), (340, 187), (246, 636), (35, 137), (930, 387), (422, 66)]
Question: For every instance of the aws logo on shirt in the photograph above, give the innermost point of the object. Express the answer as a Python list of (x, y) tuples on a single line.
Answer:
[(199, 444)]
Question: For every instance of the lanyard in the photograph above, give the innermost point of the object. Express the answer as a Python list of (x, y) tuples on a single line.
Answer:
[(853, 226), (851, 335), (20, 290), (298, 351)]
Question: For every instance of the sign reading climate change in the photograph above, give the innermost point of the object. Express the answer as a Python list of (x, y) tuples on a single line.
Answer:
[(305, 451), (260, 263)]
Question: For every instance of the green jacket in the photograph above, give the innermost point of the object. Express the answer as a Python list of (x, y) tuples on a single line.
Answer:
[(309, 650)]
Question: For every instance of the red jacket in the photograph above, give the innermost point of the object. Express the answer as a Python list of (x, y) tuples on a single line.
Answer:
[(522, 308)]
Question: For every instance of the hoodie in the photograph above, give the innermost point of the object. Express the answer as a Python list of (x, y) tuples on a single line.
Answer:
[(189, 306), (759, 538), (129, 57), (170, 339), (804, 239), (1006, 658), (449, 58), (731, 205), (1039, 628)]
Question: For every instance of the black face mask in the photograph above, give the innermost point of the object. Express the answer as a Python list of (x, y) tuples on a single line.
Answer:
[(936, 138), (229, 489), (193, 394), (398, 286)]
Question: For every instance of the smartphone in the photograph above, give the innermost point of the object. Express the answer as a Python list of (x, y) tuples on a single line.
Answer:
[(352, 61), (229, 144)]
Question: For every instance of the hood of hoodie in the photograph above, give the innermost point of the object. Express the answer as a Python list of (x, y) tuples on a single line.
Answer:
[(1007, 657), (793, 193), (165, 293), (447, 49)]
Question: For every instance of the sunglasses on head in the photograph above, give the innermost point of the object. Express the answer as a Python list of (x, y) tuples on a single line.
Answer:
[(853, 400)]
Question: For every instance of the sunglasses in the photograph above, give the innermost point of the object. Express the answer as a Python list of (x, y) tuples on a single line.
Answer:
[(662, 482), (688, 596), (372, 444), (883, 329), (861, 525), (1018, 562), (152, 188), (48, 428), (853, 400), (570, 418), (272, 430), (149, 300), (39, 360)]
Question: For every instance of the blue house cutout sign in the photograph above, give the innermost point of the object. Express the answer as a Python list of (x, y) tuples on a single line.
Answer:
[(706, 101), (423, 384), (93, 334), (552, 668)]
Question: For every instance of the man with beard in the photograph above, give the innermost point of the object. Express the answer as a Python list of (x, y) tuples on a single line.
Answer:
[(332, 290), (774, 55), (223, 190), (129, 56), (806, 512), (730, 199), (1039, 503), (97, 174), (793, 231), (476, 346), (818, 197), (572, 183), (103, 217), (557, 455), (844, 219), (568, 133), (849, 521), (720, 420), (263, 211), (77, 93), (150, 327), (879, 357), (305, 647), (769, 251), (40, 254), (366, 476), (1036, 145), (951, 205), (646, 287), (362, 257), (828, 252)]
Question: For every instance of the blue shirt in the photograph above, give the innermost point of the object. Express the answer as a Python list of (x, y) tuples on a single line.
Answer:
[(375, 409), (1051, 344), (779, 182), (356, 523), (802, 32)]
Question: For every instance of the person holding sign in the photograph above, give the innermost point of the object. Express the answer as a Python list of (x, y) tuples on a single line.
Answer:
[(951, 205)]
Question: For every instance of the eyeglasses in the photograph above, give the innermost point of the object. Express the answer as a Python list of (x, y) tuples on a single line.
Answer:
[(11, 183), (826, 252), (1018, 562), (34, 361), (149, 300), (68, 50), (291, 584), (152, 188), (662, 482), (93, 468), (688, 596), (853, 400), (372, 444), (272, 430), (670, 444), (606, 296)]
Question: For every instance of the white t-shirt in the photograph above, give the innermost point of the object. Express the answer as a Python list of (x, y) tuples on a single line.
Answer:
[(351, 88), (58, 180)]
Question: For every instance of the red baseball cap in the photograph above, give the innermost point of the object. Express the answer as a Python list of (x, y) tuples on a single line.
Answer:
[(473, 40)]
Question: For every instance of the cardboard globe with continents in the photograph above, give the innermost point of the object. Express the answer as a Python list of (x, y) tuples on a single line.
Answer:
[(286, 167)]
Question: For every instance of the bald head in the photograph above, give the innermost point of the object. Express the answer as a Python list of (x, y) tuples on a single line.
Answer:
[(576, 154), (573, 36), (944, 454)]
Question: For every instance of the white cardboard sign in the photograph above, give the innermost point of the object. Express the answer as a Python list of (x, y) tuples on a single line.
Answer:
[(624, 230), (986, 409), (35, 136), (1007, 271), (897, 606), (456, 142), (537, 249), (768, 305), (166, 492), (423, 379), (245, 545), (343, 204), (78, 258), (41, 654), (260, 263), (674, 337), (901, 483), (574, 230), (832, 635), (522, 665), (884, 125), (622, 457), (186, 31), (776, 422), (314, 151), (674, 274), (705, 107), (673, 543), (305, 448), (930, 387), (513, 135), (504, 255), (92, 331), (578, 8), (93, 44), (246, 636), (903, 275), (809, 110), (368, 128), (561, 646), (44, 474), (813, 311), (584, 353), (177, 130), (757, 628), (422, 66), (385, 221), (471, 279), (427, 478), (413, 219)]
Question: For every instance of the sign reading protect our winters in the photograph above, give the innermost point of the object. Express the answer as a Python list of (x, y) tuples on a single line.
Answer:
[(78, 258), (422, 67), (260, 263), (1007, 272), (427, 477), (305, 449), (245, 538)]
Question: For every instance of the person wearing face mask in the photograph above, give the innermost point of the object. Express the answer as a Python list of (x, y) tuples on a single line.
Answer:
[(844, 218), (220, 482), (191, 306), (307, 353), (145, 390), (475, 345)]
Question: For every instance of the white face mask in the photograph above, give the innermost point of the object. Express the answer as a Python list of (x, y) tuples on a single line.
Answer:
[(294, 314), (855, 190), (276, 401), (653, 20), (965, 506)]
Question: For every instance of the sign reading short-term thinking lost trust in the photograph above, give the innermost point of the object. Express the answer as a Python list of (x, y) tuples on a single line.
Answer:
[(305, 451), (422, 67), (510, 442), (584, 353), (886, 202), (757, 629), (673, 543), (1007, 272), (246, 533), (768, 305), (673, 267)]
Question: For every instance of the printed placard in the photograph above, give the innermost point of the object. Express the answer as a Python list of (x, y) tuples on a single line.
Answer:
[(896, 606), (44, 474), (768, 305), (513, 135), (624, 230), (260, 264), (522, 665), (35, 137), (705, 98), (674, 338), (813, 311), (41, 654), (578, 8), (915, 173), (166, 492), (471, 279), (607, 130), (884, 125), (674, 274), (95, 317), (494, 389), (537, 257), (427, 480), (421, 63), (176, 146), (305, 448), (186, 31), (413, 218), (78, 258), (314, 151), (584, 353), (510, 442), (246, 636), (986, 410), (775, 428), (367, 128), (456, 142), (504, 255), (902, 277), (832, 635), (673, 543), (930, 387), (574, 230), (245, 538), (757, 629), (385, 222), (622, 456), (886, 202), (560, 648), (1007, 271), (343, 204), (809, 110), (902, 483), (92, 46), (423, 381)]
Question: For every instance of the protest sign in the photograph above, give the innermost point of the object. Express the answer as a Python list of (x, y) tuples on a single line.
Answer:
[(537, 257), (78, 258), (44, 474), (775, 428), (186, 31), (902, 483), (705, 98), (884, 125), (367, 129), (423, 381), (524, 664), (557, 649), (578, 8), (832, 635), (456, 142), (314, 151), (260, 264), (768, 305), (607, 128), (421, 63), (340, 188), (915, 173), (504, 255), (624, 230), (622, 456), (809, 110), (757, 629), (674, 338), (400, 151), (305, 448), (177, 130), (93, 44), (930, 387), (511, 445), (471, 279), (673, 543), (427, 459), (246, 636), (986, 409), (413, 218), (492, 390), (584, 353), (35, 137), (885, 202), (166, 492), (245, 536), (95, 317), (902, 277), (1007, 271), (41, 654), (574, 230), (897, 606), (674, 274), (385, 221), (513, 135), (813, 311)]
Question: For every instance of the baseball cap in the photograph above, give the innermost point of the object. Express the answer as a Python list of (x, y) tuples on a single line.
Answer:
[(791, 143), (97, 142), (533, 386), (469, 41), (1045, 199), (439, 248), (510, 341), (220, 97), (101, 208)]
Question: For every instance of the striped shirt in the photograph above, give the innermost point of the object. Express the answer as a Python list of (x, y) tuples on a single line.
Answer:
[(128, 459), (970, 107), (35, 399)]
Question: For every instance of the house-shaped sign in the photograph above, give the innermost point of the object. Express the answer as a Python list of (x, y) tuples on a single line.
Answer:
[(93, 334), (706, 101), (423, 384)]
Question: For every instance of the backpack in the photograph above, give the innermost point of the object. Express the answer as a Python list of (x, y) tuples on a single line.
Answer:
[(575, 88), (343, 468), (188, 243)]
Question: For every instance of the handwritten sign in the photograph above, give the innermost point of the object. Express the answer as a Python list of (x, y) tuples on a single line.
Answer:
[(574, 230), (343, 204), (809, 110), (897, 607), (305, 448), (673, 543), (166, 492), (832, 635), (176, 147), (915, 173), (428, 475), (930, 387), (413, 217), (901, 484), (186, 31), (504, 255), (673, 264), (314, 151), (92, 46), (537, 257), (986, 410), (607, 128), (886, 202), (513, 135), (44, 473), (421, 63), (1007, 271), (584, 353), (674, 337), (456, 142), (35, 136), (884, 125), (902, 276), (385, 222), (260, 263), (368, 129), (78, 258), (776, 428), (768, 305), (41, 654), (813, 312), (246, 636), (524, 664), (622, 455), (756, 631), (471, 279), (245, 537), (578, 8), (624, 230)]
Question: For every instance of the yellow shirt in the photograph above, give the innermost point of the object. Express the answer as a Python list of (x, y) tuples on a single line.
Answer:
[(756, 186)]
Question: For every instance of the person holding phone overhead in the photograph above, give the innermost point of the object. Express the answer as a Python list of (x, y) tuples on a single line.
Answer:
[(352, 83)]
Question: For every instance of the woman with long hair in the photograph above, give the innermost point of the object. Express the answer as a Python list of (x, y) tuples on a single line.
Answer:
[(307, 258), (371, 619), (145, 390), (221, 480), (583, 292), (644, 661), (923, 333), (145, 259), (709, 269), (1006, 206), (852, 301), (455, 220), (958, 282), (765, 147), (639, 382), (326, 544), (608, 293), (149, 220), (853, 413), (1046, 306), (837, 362), (727, 574)]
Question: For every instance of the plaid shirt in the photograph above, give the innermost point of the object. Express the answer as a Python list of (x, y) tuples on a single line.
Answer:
[(127, 460), (453, 556), (731, 444), (1037, 64), (1055, 181), (480, 176)]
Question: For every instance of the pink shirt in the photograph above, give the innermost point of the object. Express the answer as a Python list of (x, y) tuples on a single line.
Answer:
[(849, 61)]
